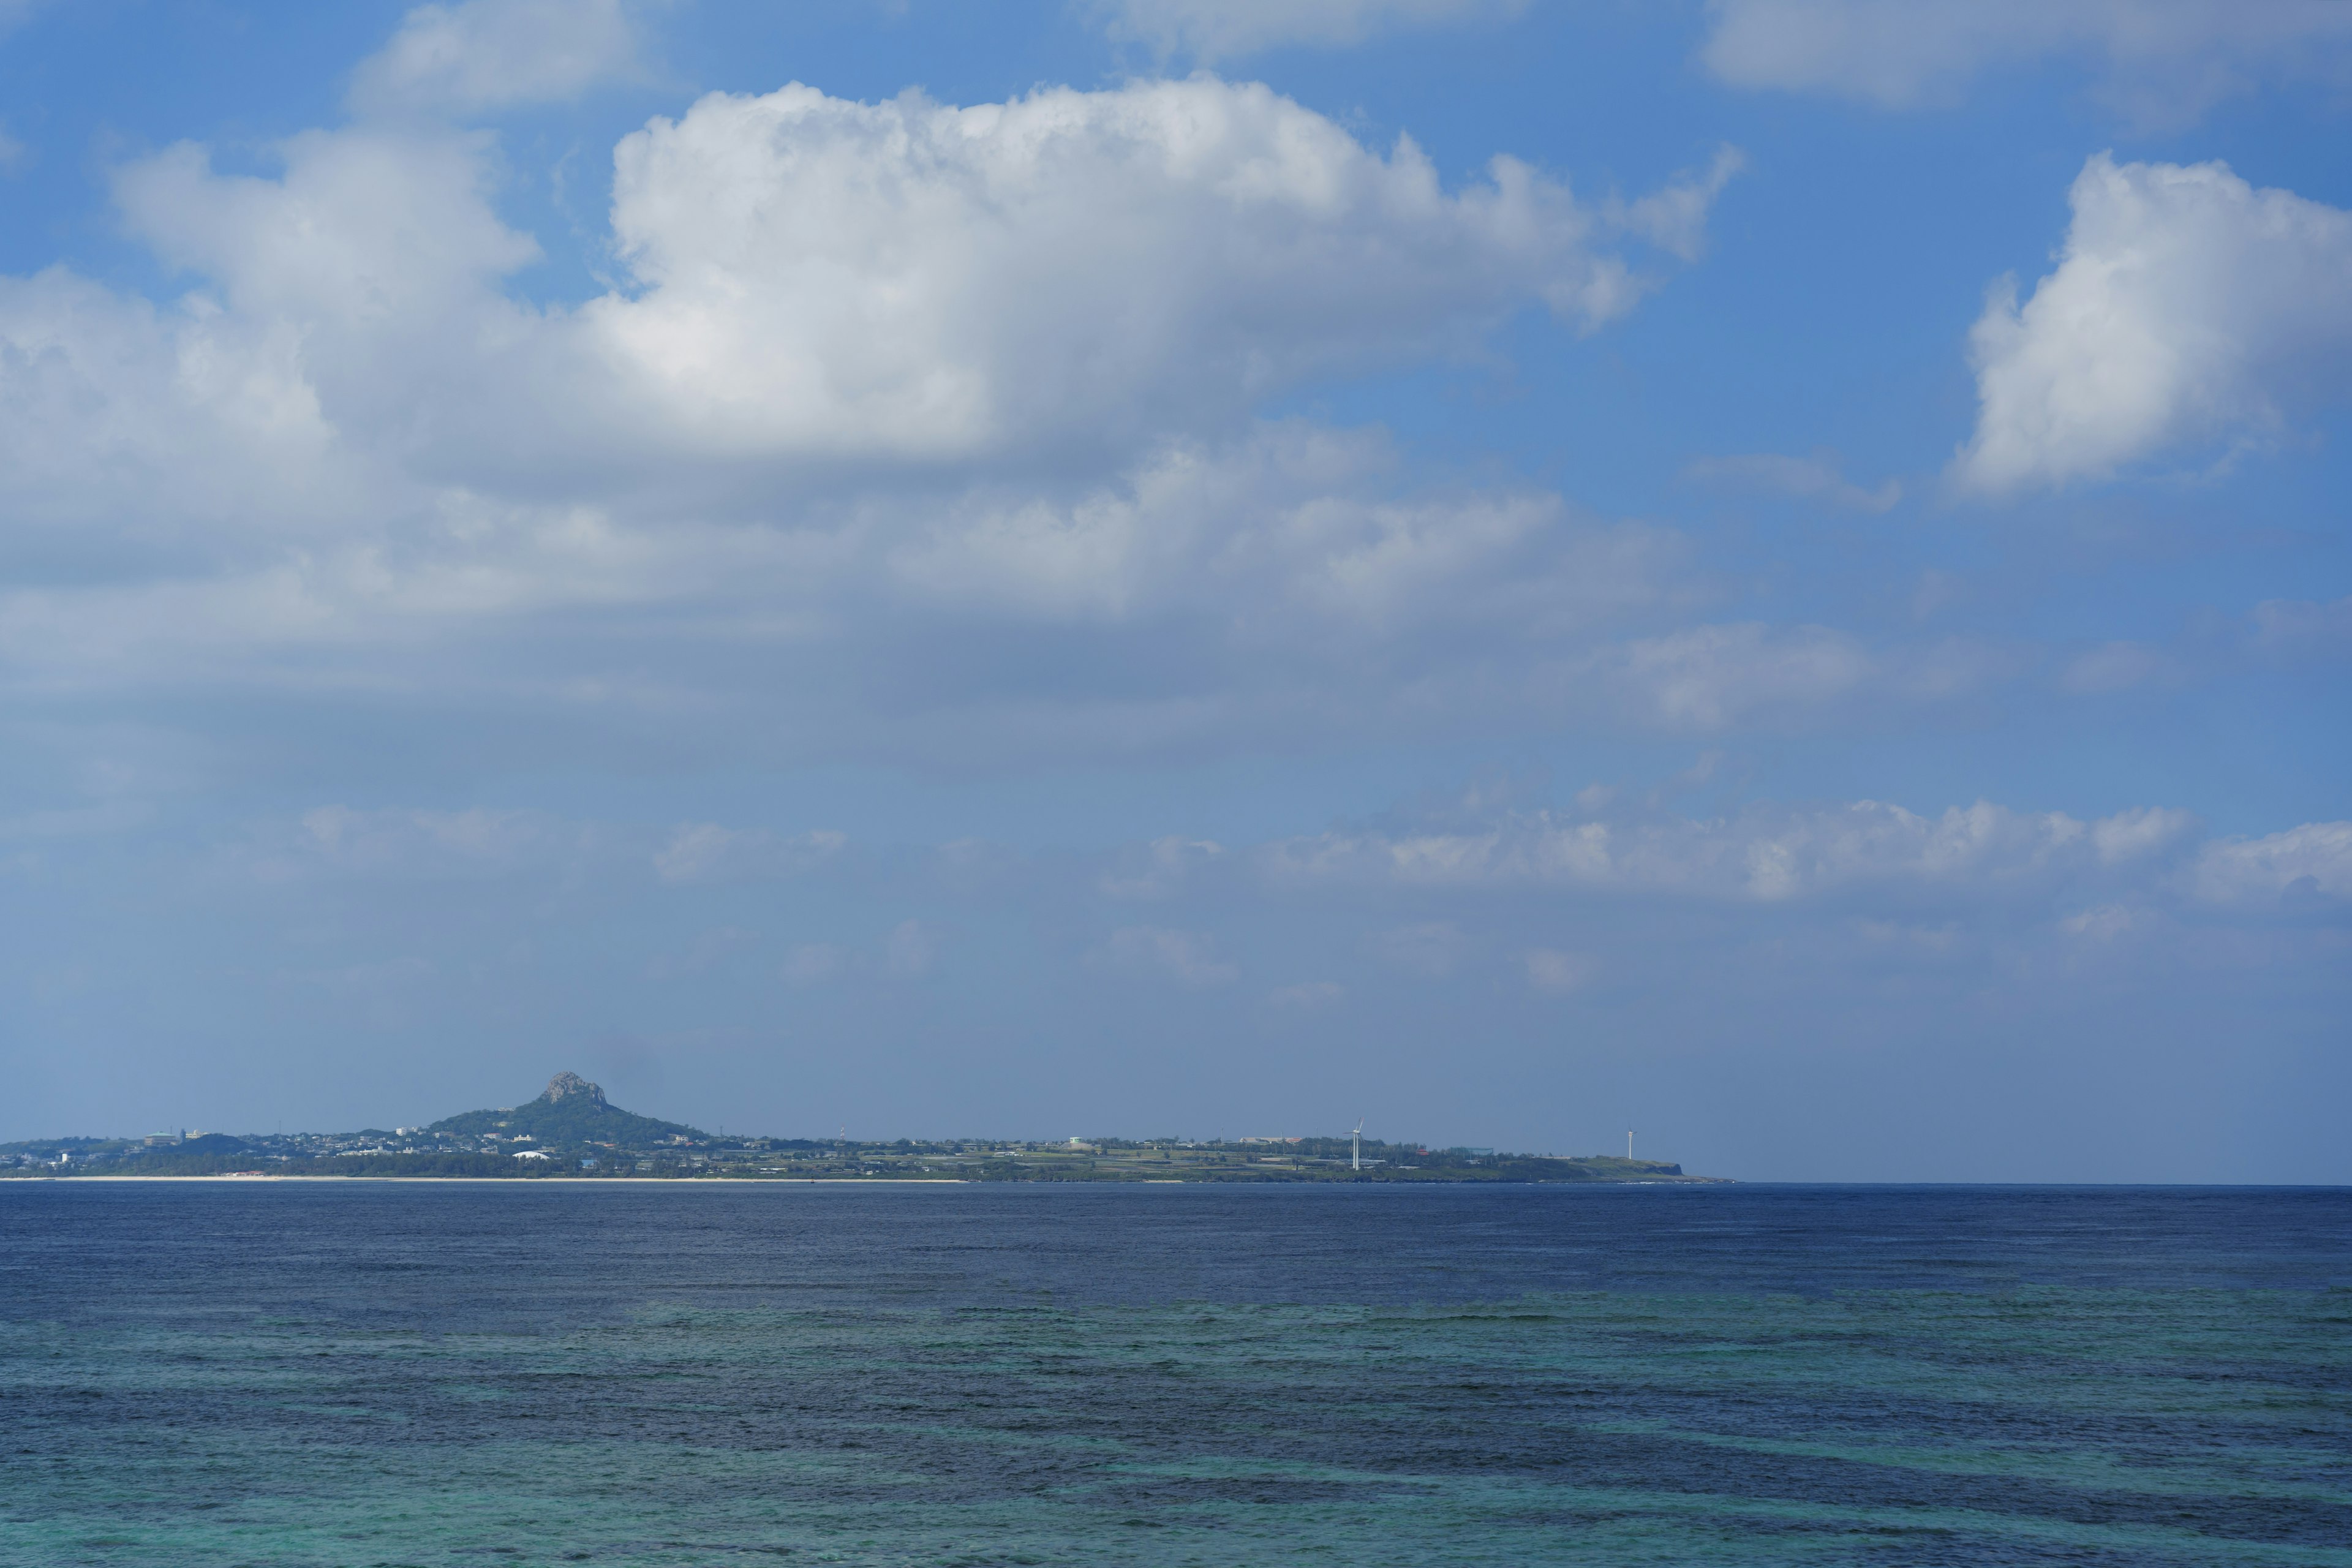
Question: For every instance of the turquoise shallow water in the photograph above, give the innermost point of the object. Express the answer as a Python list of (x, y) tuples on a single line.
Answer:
[(397, 1376)]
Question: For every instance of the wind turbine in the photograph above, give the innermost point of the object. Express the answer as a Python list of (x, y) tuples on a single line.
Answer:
[(1357, 1158), (1629, 1142)]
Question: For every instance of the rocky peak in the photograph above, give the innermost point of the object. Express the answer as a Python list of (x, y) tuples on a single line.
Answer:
[(563, 1085)]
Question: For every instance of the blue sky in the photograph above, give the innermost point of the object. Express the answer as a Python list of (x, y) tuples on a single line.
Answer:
[(1772, 571)]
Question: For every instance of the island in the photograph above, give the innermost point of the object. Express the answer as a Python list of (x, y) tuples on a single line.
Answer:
[(571, 1133)]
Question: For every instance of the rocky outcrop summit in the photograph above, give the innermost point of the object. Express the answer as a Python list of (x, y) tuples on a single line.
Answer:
[(564, 1085)]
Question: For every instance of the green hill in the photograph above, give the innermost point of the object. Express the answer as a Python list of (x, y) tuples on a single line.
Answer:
[(572, 1111)]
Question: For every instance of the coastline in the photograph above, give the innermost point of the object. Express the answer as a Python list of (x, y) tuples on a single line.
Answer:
[(573, 1133), (824, 1182), (545, 1181)]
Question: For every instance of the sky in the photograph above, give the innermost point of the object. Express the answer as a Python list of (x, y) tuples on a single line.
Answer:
[(1771, 573)]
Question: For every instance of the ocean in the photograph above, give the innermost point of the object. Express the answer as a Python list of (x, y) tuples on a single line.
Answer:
[(347, 1372)]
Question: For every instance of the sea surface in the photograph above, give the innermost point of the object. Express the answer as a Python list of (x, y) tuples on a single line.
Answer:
[(349, 1373)]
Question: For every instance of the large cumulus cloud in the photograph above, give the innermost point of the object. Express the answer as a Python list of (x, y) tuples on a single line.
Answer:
[(901, 387), (2189, 311), (813, 280), (913, 280)]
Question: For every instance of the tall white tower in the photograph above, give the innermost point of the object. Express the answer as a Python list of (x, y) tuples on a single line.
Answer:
[(1356, 1159)]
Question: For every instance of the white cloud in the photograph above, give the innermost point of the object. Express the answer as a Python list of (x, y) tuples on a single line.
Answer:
[(811, 280), (1908, 938), (481, 56), (366, 231), (348, 462), (1308, 995), (2304, 629), (1161, 868), (137, 425), (76, 821), (410, 843), (1818, 478), (2301, 865), (1714, 678), (2115, 667), (348, 403), (891, 387), (1295, 526), (2104, 922), (913, 280), (705, 954), (1560, 973), (1221, 29), (1764, 854), (1294, 577), (1186, 956), (1432, 950), (359, 288), (814, 964), (2187, 309), (1707, 676), (706, 852), (2163, 60), (911, 948), (1674, 217), (2140, 833)]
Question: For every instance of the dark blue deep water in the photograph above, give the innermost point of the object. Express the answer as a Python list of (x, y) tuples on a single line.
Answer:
[(347, 1372)]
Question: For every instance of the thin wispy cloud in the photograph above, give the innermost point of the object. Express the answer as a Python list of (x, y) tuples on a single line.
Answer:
[(1211, 30), (2160, 61)]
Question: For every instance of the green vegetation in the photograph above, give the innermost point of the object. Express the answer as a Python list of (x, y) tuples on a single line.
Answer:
[(572, 1111), (569, 1132)]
